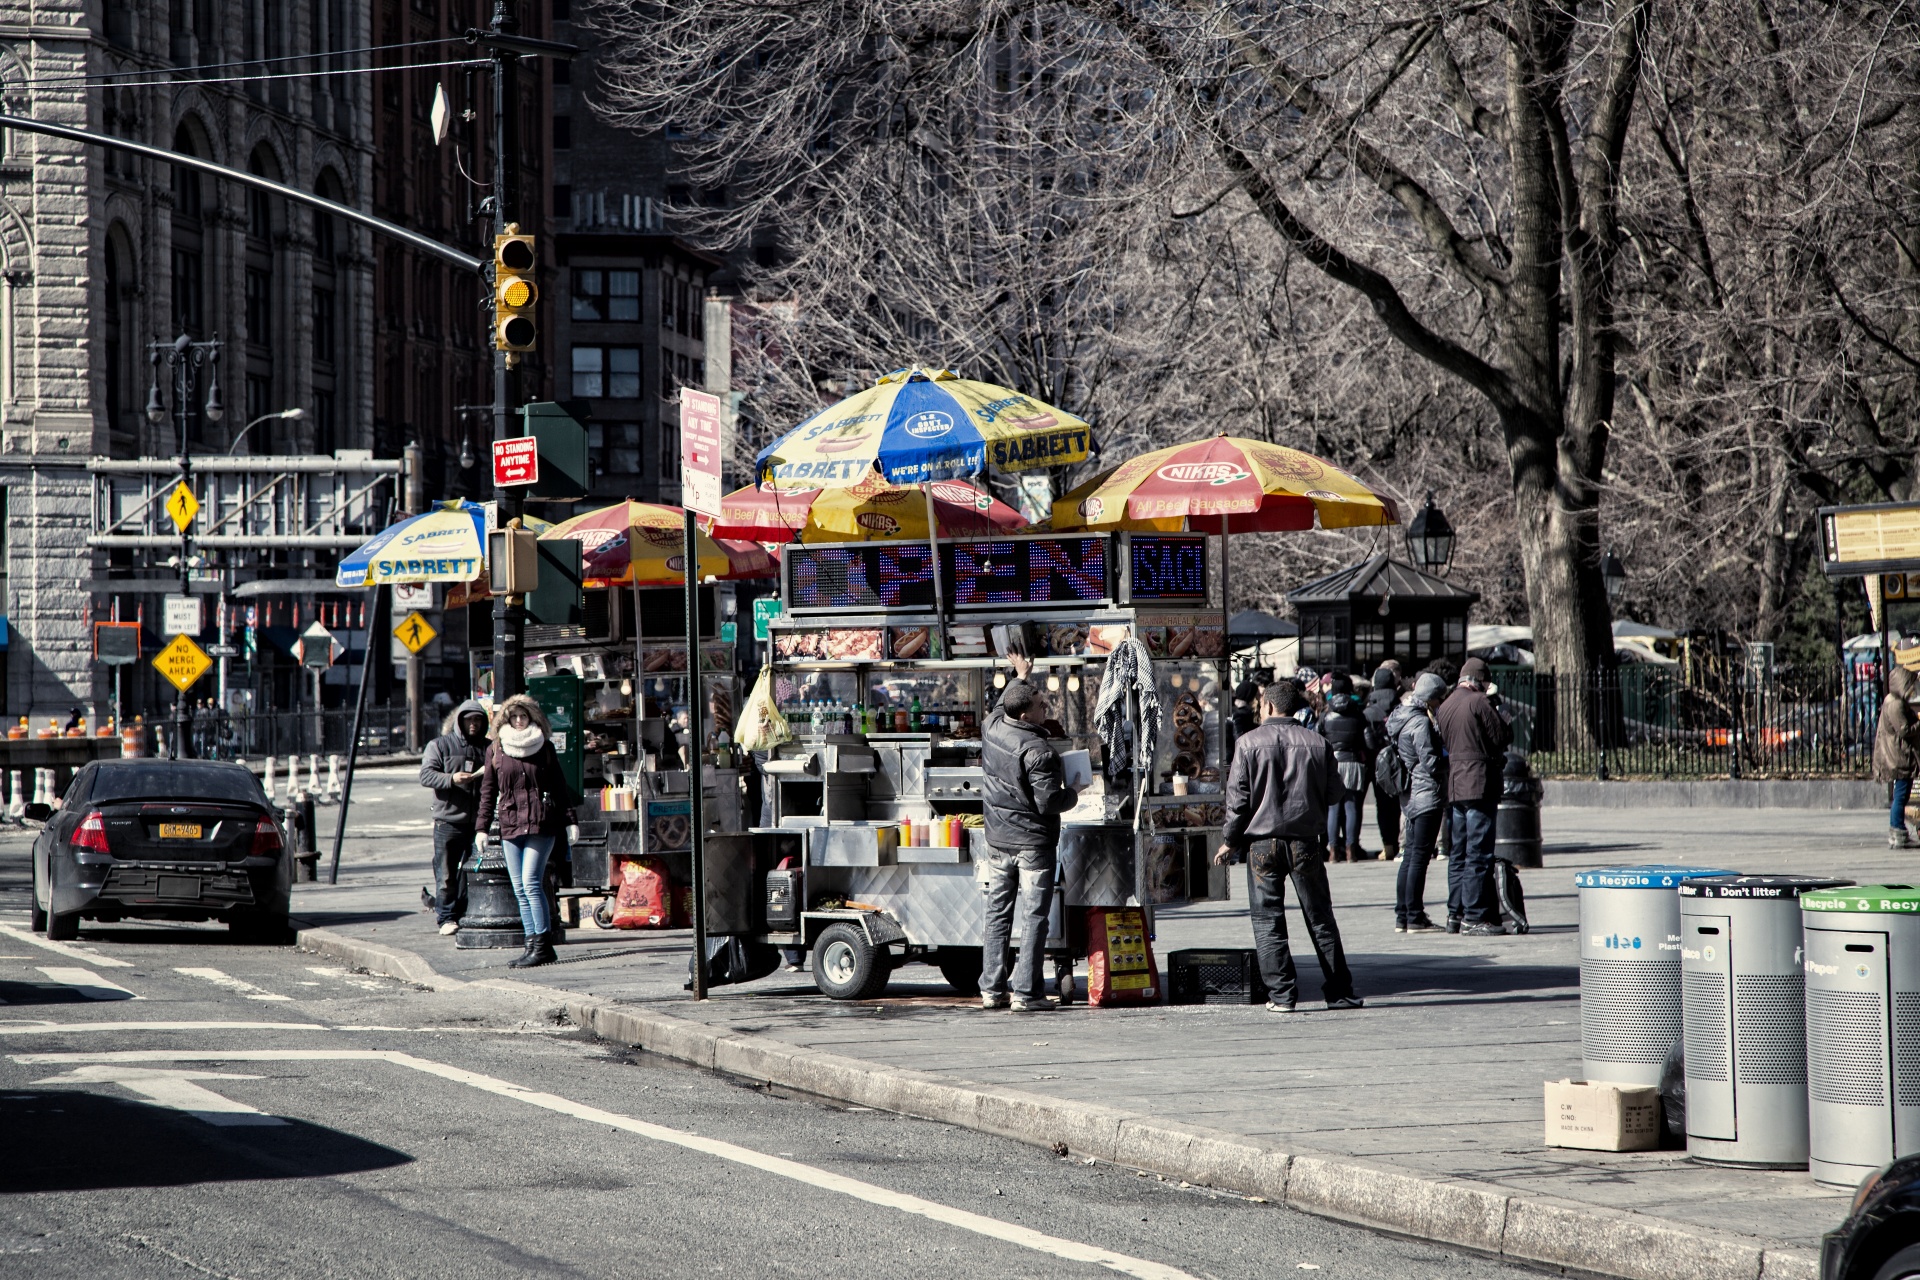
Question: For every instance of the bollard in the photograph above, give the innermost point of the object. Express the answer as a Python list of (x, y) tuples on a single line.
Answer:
[(493, 914), (306, 841), (1516, 827)]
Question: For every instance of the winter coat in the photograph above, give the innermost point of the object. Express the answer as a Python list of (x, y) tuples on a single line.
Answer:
[(528, 796), (1896, 739), (1280, 784), (1380, 705), (1026, 788), (1351, 737), (1411, 732), (1476, 737), (452, 753)]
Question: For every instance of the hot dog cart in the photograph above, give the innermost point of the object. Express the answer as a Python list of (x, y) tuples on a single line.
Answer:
[(886, 693)]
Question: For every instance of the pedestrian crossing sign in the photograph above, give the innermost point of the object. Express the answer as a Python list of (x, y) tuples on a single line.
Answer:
[(415, 632), (182, 506), (182, 662)]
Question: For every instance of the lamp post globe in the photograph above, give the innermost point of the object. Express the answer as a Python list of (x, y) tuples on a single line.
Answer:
[(1430, 538), (1613, 576)]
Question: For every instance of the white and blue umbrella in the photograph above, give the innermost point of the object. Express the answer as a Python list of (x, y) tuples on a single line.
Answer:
[(446, 544)]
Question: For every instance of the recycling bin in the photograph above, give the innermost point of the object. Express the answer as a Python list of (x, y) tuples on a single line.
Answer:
[(1863, 1028), (1742, 997), (1630, 969)]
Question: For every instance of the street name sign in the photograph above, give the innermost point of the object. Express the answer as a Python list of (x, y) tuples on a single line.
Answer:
[(700, 451), (516, 461), (182, 662), (415, 632), (182, 506)]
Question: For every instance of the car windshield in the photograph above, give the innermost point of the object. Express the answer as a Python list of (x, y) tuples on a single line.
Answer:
[(168, 780)]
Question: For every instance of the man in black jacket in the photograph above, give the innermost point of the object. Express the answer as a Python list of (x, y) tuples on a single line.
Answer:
[(1380, 704), (1025, 794), (450, 768), (1278, 789)]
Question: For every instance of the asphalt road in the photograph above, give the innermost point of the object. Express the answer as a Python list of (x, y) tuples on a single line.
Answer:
[(175, 1104)]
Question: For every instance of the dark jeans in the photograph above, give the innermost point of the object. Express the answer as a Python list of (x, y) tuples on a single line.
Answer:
[(1017, 877), (1897, 814), (1343, 823), (1410, 889), (1269, 863), (451, 847), (1470, 894), (1386, 812)]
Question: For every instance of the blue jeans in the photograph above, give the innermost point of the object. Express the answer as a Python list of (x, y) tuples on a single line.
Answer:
[(1343, 812), (1017, 877), (527, 868), (1897, 815), (1416, 850), (1470, 893)]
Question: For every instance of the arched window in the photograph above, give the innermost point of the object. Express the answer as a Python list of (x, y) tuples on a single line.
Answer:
[(122, 345), (329, 313), (189, 261), (264, 214)]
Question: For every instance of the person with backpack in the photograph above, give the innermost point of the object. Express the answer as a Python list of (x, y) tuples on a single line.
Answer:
[(1346, 730), (1413, 767), (1381, 701)]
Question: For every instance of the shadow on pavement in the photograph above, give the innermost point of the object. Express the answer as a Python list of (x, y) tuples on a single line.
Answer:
[(66, 1140), (13, 992)]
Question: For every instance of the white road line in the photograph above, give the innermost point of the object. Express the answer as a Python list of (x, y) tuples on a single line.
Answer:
[(174, 1089), (231, 983), (62, 949), (62, 1028), (351, 979), (88, 983), (806, 1175)]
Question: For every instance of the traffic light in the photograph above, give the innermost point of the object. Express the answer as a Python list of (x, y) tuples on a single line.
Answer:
[(513, 290)]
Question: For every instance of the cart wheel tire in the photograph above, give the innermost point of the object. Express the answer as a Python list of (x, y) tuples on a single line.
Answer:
[(961, 966), (848, 967), (63, 927), (603, 914), (39, 915)]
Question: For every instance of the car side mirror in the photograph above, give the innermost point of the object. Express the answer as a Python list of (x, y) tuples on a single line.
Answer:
[(37, 813)]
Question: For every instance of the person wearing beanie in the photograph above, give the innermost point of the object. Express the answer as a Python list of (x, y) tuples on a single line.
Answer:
[(1476, 737), (1412, 735), (1381, 702), (1345, 728)]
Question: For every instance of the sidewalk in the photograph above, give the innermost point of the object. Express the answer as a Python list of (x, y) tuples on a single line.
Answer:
[(1439, 1077)]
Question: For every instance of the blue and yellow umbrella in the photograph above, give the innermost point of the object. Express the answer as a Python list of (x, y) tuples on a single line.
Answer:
[(914, 426), (445, 544)]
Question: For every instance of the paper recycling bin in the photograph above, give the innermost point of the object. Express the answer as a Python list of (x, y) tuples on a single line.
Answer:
[(1630, 969), (1863, 1028), (1742, 998)]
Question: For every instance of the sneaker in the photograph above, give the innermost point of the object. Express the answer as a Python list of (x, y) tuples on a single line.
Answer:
[(789, 968), (450, 928), (1453, 924), (993, 1002), (1024, 1005), (1422, 925), (1399, 928), (1347, 1002), (1280, 1008), (1478, 930), (1899, 839)]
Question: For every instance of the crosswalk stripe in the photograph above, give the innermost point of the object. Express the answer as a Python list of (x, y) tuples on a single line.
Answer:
[(62, 949), (88, 983), (62, 1028), (351, 979), (231, 983)]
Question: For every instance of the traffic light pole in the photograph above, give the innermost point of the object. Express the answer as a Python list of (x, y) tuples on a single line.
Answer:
[(509, 611)]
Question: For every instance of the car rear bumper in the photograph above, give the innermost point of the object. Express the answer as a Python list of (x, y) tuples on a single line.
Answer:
[(179, 890)]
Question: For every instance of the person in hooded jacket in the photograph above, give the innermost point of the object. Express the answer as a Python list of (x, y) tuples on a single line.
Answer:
[(1381, 701), (450, 768), (1412, 734), (1896, 752), (524, 791), (1346, 731)]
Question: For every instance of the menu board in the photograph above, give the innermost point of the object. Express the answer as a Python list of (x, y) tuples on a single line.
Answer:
[(1167, 567), (1050, 572)]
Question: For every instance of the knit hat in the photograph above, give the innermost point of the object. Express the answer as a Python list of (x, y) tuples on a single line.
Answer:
[(1428, 686), (1475, 669), (1385, 679)]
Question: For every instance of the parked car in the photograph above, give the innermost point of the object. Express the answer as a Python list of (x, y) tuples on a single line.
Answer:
[(162, 840), (1880, 1240)]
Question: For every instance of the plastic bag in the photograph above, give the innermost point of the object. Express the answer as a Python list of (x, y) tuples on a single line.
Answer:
[(761, 727)]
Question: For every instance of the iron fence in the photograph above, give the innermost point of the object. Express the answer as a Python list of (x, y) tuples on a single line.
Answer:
[(1648, 720), (213, 736)]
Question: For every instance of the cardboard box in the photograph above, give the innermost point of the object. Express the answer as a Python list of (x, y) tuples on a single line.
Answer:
[(1596, 1116)]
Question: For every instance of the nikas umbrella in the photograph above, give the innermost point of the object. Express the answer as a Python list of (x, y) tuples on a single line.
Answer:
[(445, 544), (872, 510), (642, 543)]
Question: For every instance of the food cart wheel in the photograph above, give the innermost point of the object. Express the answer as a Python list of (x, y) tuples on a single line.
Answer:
[(960, 966), (848, 967), (1063, 978), (603, 914)]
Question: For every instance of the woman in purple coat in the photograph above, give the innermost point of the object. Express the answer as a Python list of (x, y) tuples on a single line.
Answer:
[(524, 791)]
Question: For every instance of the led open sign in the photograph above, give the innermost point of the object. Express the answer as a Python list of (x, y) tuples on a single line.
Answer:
[(996, 574)]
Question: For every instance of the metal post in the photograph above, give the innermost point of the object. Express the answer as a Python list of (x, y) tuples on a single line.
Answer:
[(416, 503), (939, 589), (1223, 693), (353, 744), (696, 739), (509, 612)]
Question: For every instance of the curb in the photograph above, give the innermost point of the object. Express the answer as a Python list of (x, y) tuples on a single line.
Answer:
[(1539, 1230)]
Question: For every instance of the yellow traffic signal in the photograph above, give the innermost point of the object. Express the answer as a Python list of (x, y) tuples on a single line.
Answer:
[(513, 290)]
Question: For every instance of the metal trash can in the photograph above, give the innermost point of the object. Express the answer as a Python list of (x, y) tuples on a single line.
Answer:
[(1863, 1028), (1742, 998), (1630, 969), (1516, 823)]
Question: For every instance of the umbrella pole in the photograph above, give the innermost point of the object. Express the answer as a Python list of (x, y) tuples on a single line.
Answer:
[(1223, 697), (939, 592), (696, 787), (353, 747)]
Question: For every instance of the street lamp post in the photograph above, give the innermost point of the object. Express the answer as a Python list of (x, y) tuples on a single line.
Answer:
[(1613, 576), (295, 414), (182, 357), (1430, 538)]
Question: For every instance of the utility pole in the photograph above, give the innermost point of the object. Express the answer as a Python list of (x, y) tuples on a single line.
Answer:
[(182, 356), (416, 503)]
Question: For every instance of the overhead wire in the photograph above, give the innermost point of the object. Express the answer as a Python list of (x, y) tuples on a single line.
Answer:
[(295, 75), (111, 77)]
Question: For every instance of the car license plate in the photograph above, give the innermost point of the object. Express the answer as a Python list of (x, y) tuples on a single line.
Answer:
[(179, 831), (179, 887)]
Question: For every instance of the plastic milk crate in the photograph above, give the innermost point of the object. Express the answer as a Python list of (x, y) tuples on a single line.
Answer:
[(1220, 976)]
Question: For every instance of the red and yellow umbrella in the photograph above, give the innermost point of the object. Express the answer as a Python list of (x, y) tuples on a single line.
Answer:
[(872, 510), (642, 543), (1254, 486)]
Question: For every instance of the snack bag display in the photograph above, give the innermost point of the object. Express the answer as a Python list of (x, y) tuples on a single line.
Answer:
[(1120, 968), (643, 900)]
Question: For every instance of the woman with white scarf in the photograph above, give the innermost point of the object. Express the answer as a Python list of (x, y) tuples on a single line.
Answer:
[(524, 791)]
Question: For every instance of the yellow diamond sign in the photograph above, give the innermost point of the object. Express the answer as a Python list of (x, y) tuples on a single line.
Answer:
[(182, 506), (415, 632), (182, 662)]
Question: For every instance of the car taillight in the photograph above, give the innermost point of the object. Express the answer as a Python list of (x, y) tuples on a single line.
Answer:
[(266, 837), (91, 834)]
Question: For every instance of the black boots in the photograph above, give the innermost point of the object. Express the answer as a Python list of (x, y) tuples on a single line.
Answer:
[(539, 951)]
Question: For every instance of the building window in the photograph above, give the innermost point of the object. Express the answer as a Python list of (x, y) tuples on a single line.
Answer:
[(618, 446), (562, 132), (323, 441), (323, 325), (188, 296), (259, 306), (670, 452), (606, 295), (610, 373)]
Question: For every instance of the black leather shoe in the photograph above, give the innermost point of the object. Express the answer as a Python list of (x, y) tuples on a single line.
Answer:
[(542, 952), (525, 958), (1453, 924)]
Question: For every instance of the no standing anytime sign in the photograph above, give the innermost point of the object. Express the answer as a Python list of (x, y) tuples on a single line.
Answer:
[(516, 461)]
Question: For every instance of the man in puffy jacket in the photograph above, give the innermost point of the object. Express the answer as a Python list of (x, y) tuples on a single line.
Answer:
[(1025, 793), (1412, 735), (1476, 737), (450, 768), (1278, 788)]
